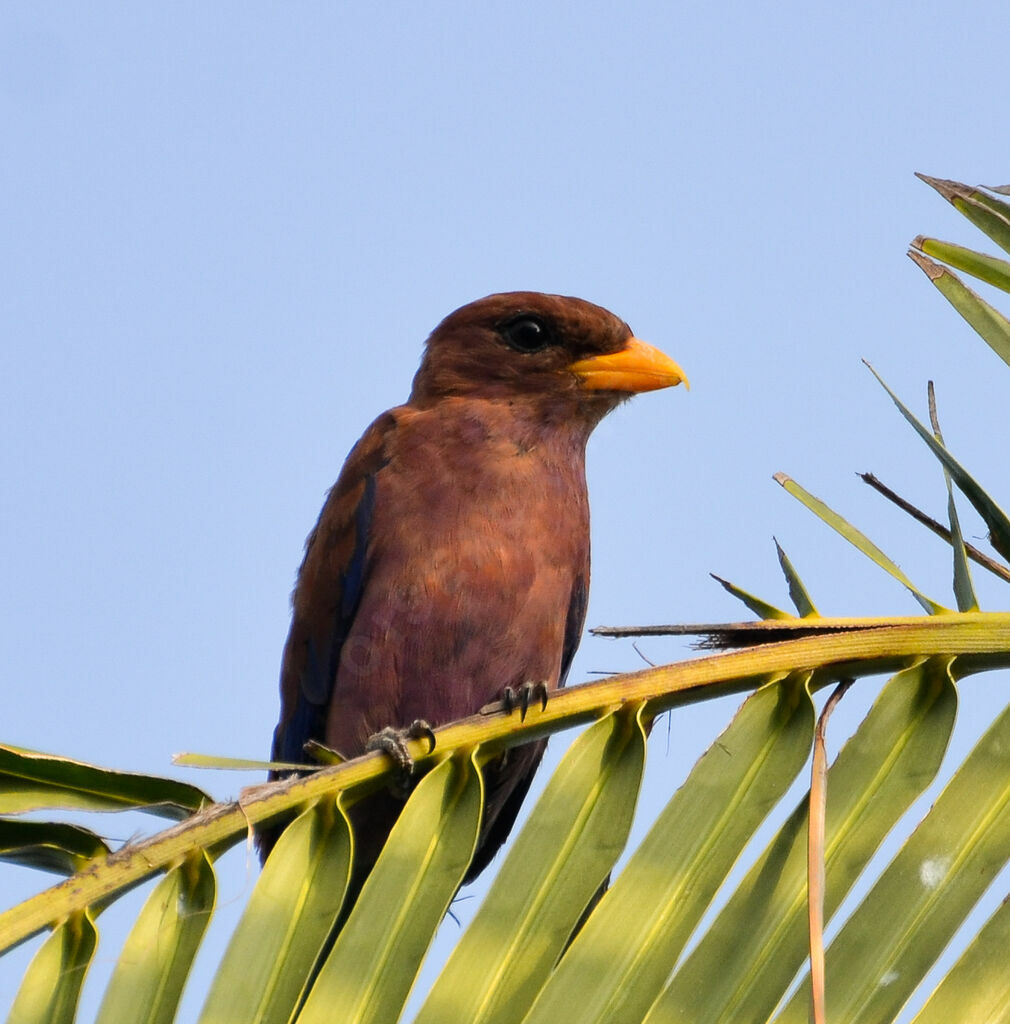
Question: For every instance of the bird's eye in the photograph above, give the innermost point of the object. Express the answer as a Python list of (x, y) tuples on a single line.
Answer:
[(527, 334)]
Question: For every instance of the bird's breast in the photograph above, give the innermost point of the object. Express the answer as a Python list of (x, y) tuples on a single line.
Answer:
[(476, 544)]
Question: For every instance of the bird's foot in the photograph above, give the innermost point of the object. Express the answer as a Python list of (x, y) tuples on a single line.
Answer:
[(393, 742), (521, 697)]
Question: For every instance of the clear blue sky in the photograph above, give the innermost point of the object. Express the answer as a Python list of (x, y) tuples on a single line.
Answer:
[(229, 228)]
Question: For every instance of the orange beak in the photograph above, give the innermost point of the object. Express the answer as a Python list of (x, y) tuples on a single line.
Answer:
[(637, 367)]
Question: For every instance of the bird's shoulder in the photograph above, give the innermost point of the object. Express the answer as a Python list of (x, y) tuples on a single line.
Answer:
[(406, 443)]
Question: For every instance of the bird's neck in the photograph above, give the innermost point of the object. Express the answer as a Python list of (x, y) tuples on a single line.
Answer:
[(544, 425)]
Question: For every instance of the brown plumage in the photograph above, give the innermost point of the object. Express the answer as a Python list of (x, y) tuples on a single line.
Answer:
[(451, 558)]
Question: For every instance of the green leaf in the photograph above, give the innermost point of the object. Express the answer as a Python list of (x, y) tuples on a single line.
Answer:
[(52, 985), (857, 539), (30, 781), (148, 980), (964, 591), (986, 212), (797, 592), (292, 910), (864, 646), (190, 759), (762, 609), (374, 960), (622, 957), (573, 837), (747, 959), (49, 845), (988, 322), (1001, 210), (990, 269), (921, 899), (977, 987), (993, 516)]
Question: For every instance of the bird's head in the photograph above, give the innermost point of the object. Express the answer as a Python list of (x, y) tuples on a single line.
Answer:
[(561, 356)]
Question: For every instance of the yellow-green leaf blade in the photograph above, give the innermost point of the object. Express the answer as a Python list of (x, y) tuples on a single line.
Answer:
[(49, 845), (977, 987), (762, 609), (30, 780), (572, 839), (991, 269), (986, 212), (148, 980), (51, 987), (909, 916), (856, 539), (995, 518), (375, 958), (964, 590), (797, 591), (622, 957), (987, 321), (290, 913), (216, 762), (745, 962)]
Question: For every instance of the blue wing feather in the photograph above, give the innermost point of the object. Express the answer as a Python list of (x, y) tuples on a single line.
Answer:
[(307, 718)]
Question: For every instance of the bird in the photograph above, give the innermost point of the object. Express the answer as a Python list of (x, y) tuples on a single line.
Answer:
[(449, 567)]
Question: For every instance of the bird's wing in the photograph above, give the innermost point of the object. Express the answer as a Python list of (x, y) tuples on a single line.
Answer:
[(330, 583), (575, 621)]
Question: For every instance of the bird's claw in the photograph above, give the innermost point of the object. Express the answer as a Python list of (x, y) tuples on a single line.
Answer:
[(513, 698), (419, 729), (393, 742)]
